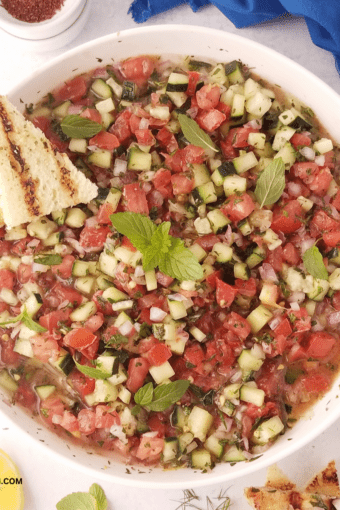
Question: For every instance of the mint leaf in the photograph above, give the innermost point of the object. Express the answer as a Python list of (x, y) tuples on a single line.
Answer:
[(78, 501), (30, 323), (159, 244), (118, 339), (143, 396), (99, 495), (180, 263), (138, 228), (194, 134), (49, 260), (167, 394), (271, 183), (75, 126), (314, 264), (151, 259), (95, 373)]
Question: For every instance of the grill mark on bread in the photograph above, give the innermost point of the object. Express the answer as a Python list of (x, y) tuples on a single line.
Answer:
[(17, 162), (64, 177)]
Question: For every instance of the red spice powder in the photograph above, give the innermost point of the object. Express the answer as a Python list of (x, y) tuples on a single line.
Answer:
[(32, 11)]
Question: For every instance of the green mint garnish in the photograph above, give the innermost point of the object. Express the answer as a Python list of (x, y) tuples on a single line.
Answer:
[(95, 499), (159, 249), (271, 183), (25, 319), (93, 372), (313, 262), (194, 134), (49, 260), (75, 126), (162, 396)]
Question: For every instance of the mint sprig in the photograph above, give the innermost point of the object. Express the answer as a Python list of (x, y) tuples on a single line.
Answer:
[(314, 264), (159, 249), (25, 319), (271, 183), (93, 372), (163, 396), (194, 134), (75, 126), (95, 499)]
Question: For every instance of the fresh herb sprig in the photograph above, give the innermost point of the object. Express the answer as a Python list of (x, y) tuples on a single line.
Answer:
[(75, 126), (314, 264), (95, 499), (159, 249), (160, 398), (25, 319), (271, 183), (194, 134)]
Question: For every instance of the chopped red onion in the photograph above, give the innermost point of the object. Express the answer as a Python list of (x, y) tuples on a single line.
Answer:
[(296, 297), (294, 189), (144, 123), (295, 306), (120, 167), (267, 348), (273, 324), (91, 222), (335, 213), (33, 243), (147, 187), (147, 176), (115, 182), (308, 153), (125, 328), (39, 268), (267, 272), (318, 326), (192, 112), (320, 160), (177, 297), (139, 271), (74, 109), (254, 123), (57, 419), (157, 314), (229, 235), (236, 377), (333, 318), (306, 244), (117, 431), (191, 447), (152, 433)]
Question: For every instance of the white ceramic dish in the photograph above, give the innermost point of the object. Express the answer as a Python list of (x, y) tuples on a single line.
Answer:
[(201, 43), (61, 21)]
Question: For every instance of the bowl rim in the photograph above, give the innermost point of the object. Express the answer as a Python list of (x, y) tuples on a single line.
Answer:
[(289, 448)]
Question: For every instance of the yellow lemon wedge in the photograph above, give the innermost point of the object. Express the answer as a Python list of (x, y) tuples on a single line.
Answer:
[(11, 491)]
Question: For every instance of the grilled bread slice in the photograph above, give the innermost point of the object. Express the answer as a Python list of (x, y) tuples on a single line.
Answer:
[(34, 179)]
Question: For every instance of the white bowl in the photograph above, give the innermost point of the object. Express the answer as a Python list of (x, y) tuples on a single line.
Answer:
[(61, 21), (201, 43)]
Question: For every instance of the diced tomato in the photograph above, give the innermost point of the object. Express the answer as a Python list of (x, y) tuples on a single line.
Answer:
[(329, 159), (228, 150), (207, 242), (7, 278), (336, 201), (145, 137), (320, 344), (194, 354), (42, 123), (291, 254), (8, 356), (94, 237), (81, 383), (192, 154), (95, 322), (305, 170), (211, 279), (322, 223), (138, 69), (321, 182), (104, 213), (210, 120), (284, 328), (121, 126), (224, 108), (86, 421), (135, 198), (64, 270), (90, 352), (126, 243), (238, 207), (156, 425), (287, 219), (106, 417), (158, 354), (237, 325), (51, 406), (53, 320), (45, 347), (164, 279), (92, 114), (270, 378), (79, 338), (182, 183), (73, 90), (299, 139), (225, 294), (316, 383), (161, 178), (208, 96), (24, 273), (167, 140), (64, 293), (105, 140), (331, 239), (69, 422), (137, 371), (240, 137), (246, 287), (194, 77), (336, 300), (150, 448), (25, 395), (300, 320)]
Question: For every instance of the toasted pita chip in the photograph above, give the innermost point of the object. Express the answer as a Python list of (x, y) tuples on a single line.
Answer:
[(276, 479), (326, 482)]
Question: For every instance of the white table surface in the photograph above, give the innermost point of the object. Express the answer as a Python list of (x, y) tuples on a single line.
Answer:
[(46, 481)]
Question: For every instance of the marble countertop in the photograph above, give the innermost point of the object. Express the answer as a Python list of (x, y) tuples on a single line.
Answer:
[(46, 481)]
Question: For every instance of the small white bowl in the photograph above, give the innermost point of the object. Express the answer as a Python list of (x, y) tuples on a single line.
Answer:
[(61, 21)]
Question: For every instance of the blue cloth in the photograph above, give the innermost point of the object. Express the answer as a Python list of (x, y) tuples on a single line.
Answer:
[(322, 16)]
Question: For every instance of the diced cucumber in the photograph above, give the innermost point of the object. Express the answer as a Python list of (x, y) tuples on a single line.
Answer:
[(80, 268), (108, 364), (217, 75), (222, 171), (103, 282), (201, 174), (177, 309), (282, 136), (251, 87), (248, 363), (305, 203), (204, 194), (228, 408), (85, 284), (233, 71), (198, 251), (257, 140), (78, 145), (113, 295), (256, 257), (177, 82), (101, 158), (233, 454), (8, 296), (75, 218), (120, 377), (104, 392), (24, 347), (101, 88), (124, 394), (252, 395), (234, 184), (201, 459), (129, 91), (107, 263), (202, 226), (177, 344), (151, 280), (32, 304), (54, 239), (64, 363), (222, 252), (123, 254), (323, 145), (218, 221), (213, 445), (59, 217), (268, 430), (121, 319), (105, 106), (179, 418), (113, 198), (319, 290), (139, 160), (258, 104), (116, 87), (83, 312), (245, 228), (162, 372), (44, 391), (15, 233), (170, 449), (271, 239), (245, 162), (259, 318), (237, 108), (197, 334), (7, 382), (199, 422), (287, 117), (164, 331), (184, 440), (127, 304), (287, 154), (61, 110), (41, 228)]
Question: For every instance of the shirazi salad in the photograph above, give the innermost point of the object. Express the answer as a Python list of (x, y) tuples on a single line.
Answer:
[(189, 314)]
